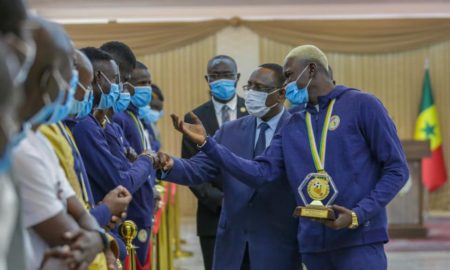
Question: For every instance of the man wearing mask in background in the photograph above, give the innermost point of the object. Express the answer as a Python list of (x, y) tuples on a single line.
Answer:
[(141, 93), (52, 214), (114, 205), (102, 149), (256, 229), (359, 151), (225, 105)]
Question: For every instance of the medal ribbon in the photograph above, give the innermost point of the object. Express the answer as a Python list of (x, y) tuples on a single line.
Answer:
[(319, 160)]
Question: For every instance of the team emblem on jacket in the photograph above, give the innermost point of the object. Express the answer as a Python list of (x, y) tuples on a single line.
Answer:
[(334, 122), (142, 235)]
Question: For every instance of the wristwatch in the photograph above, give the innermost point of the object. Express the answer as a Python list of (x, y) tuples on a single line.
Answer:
[(203, 144), (355, 223)]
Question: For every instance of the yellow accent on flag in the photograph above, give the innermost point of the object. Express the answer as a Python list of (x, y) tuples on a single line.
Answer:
[(427, 127)]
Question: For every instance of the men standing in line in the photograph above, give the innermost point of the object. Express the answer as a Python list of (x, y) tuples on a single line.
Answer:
[(225, 105), (345, 136)]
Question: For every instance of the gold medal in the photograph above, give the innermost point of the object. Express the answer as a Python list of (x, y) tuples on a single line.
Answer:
[(318, 188)]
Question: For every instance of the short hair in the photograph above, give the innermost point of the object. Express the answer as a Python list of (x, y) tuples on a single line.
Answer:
[(140, 65), (120, 52), (12, 12), (309, 52), (222, 57), (278, 72), (157, 91), (96, 55)]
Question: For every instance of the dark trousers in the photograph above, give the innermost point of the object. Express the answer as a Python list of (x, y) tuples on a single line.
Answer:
[(207, 244), (246, 261)]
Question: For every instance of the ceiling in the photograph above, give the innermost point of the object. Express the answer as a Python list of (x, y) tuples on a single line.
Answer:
[(84, 11)]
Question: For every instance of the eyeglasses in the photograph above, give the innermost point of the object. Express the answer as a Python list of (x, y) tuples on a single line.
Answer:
[(220, 76), (258, 88)]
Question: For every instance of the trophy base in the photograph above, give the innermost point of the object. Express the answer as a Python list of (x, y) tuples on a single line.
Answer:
[(315, 212)]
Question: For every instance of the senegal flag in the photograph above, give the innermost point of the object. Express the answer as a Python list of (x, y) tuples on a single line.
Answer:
[(434, 173)]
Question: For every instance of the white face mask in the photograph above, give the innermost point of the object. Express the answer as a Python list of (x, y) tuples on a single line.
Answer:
[(255, 102)]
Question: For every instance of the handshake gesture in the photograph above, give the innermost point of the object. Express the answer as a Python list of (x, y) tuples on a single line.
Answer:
[(195, 132)]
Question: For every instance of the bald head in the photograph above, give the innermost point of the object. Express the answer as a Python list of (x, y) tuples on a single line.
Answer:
[(54, 53)]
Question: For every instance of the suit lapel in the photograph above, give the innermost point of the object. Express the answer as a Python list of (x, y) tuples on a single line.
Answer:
[(210, 123), (241, 109)]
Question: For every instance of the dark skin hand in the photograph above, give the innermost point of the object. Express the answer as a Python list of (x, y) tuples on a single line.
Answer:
[(55, 258), (165, 162), (195, 132), (85, 245), (117, 200), (343, 220), (131, 154)]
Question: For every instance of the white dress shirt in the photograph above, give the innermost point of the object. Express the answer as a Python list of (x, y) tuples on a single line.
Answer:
[(232, 104)]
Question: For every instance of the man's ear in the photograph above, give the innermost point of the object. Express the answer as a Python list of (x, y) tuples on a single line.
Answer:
[(282, 95), (238, 76)]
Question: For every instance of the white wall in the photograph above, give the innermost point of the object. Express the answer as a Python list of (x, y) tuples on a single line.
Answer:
[(243, 45)]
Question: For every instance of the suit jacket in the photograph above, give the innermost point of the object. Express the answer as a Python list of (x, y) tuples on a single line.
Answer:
[(261, 217), (209, 194)]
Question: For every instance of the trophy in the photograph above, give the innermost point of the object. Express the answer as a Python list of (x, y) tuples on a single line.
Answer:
[(319, 188)]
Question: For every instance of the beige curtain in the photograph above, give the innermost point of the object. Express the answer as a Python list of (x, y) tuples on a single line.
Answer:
[(395, 78), (356, 36), (144, 38), (347, 36), (179, 73)]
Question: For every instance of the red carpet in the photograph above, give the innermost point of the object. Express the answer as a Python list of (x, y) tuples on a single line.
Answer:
[(438, 238)]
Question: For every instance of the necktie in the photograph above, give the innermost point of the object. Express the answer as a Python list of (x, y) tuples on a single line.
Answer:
[(225, 114), (261, 142)]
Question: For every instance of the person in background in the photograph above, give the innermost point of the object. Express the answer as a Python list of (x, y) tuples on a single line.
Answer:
[(225, 105), (368, 167), (52, 215), (137, 82), (256, 229), (101, 145)]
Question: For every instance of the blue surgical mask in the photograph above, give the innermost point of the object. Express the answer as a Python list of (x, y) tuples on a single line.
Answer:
[(122, 103), (54, 111), (223, 89), (142, 96), (295, 95), (82, 108), (108, 100), (255, 102), (63, 110), (149, 116), (13, 140)]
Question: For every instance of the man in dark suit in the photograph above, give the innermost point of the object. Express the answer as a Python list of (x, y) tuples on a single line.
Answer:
[(224, 106), (256, 228)]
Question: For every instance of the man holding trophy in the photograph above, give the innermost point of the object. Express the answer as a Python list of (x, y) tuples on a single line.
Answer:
[(341, 155)]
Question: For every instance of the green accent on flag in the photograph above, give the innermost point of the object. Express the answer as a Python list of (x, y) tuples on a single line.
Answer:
[(427, 96)]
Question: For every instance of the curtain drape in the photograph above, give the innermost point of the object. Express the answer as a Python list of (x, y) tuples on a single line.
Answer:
[(144, 38), (347, 36), (396, 79)]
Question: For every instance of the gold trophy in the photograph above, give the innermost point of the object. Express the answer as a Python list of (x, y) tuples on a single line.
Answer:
[(319, 187), (128, 231)]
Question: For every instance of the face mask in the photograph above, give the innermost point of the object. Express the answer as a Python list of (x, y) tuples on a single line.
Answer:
[(255, 102), (122, 103), (63, 110), (108, 100), (82, 108), (13, 140), (57, 110), (149, 116), (27, 49), (142, 96), (295, 95), (223, 89)]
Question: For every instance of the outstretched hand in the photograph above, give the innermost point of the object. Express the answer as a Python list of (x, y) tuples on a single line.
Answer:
[(194, 132)]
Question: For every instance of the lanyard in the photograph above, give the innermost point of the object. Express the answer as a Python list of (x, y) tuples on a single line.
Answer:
[(141, 130), (69, 137), (319, 160)]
